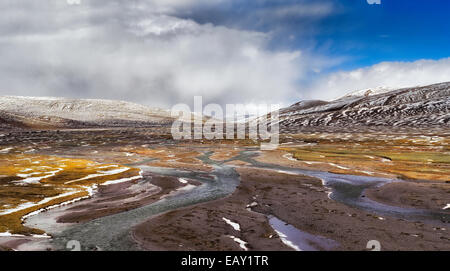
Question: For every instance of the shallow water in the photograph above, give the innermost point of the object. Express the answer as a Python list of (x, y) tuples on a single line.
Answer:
[(349, 190), (300, 240), (112, 232)]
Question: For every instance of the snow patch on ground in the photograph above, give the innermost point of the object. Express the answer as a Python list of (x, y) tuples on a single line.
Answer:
[(241, 242), (8, 234), (5, 150), (235, 225), (123, 180), (35, 180), (290, 157), (285, 241), (31, 204), (338, 166), (101, 174)]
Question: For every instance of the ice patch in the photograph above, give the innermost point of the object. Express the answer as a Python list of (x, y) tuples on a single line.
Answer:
[(186, 188), (285, 241), (298, 240), (183, 181)]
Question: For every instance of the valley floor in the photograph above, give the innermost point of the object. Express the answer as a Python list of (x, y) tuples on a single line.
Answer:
[(137, 189)]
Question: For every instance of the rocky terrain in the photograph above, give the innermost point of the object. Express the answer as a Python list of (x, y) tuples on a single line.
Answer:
[(417, 107)]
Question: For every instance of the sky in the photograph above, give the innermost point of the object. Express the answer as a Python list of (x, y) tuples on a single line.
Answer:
[(164, 52)]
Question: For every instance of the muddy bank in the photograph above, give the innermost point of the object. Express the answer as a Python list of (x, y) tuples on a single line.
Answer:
[(121, 198), (309, 209), (24, 243), (430, 196), (298, 200), (211, 226)]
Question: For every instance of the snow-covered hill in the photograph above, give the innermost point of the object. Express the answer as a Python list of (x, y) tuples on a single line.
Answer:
[(417, 107), (33, 112)]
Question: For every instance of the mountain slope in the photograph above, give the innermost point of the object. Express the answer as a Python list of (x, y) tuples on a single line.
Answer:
[(417, 107), (32, 112)]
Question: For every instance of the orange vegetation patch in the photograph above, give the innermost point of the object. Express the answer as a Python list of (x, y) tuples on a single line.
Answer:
[(33, 182), (414, 157)]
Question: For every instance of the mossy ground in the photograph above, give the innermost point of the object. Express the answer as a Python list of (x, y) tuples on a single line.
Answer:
[(415, 157)]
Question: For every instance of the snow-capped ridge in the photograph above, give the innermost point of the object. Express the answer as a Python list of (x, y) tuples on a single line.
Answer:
[(416, 107)]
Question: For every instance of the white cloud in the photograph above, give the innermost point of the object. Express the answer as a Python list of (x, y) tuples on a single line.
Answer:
[(117, 50), (139, 51), (74, 2), (388, 74), (302, 10)]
